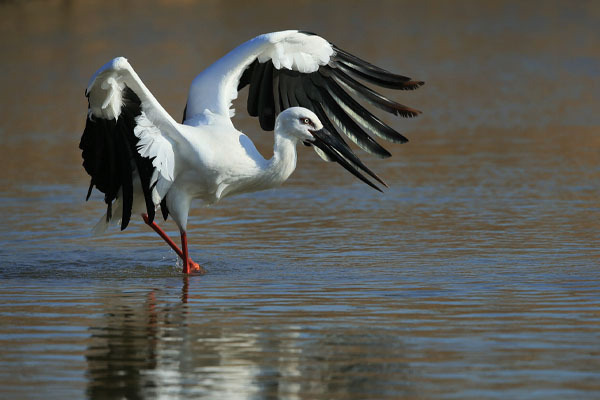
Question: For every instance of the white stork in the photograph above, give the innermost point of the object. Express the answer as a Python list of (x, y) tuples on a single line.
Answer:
[(301, 86)]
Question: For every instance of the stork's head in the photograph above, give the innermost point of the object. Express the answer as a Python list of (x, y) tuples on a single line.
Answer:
[(303, 125), (299, 123)]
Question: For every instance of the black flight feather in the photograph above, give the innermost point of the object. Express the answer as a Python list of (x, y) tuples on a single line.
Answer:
[(358, 89), (341, 145), (348, 126), (246, 76), (339, 148), (372, 73), (255, 86), (266, 104), (277, 103), (164, 209), (124, 167), (360, 114), (110, 157)]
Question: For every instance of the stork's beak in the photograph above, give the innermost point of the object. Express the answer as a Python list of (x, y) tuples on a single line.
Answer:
[(337, 150)]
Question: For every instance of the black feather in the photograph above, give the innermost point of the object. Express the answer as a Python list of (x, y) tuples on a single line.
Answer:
[(266, 104), (246, 76), (184, 114), (255, 86), (358, 89), (110, 157), (341, 146), (89, 193), (376, 79), (346, 124), (371, 73), (358, 113), (277, 102), (108, 211), (293, 85), (124, 167), (164, 209), (111, 176)]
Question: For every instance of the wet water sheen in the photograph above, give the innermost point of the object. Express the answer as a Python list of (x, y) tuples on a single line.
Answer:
[(476, 275)]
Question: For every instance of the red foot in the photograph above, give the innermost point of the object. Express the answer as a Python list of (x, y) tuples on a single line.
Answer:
[(195, 268)]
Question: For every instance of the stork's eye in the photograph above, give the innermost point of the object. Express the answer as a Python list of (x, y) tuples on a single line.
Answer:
[(305, 121)]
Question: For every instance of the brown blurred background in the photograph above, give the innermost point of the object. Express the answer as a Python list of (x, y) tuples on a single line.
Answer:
[(498, 74)]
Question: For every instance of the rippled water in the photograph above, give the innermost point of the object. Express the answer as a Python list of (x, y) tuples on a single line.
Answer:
[(475, 276)]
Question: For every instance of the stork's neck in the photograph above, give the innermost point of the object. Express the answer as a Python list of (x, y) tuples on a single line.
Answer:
[(283, 163)]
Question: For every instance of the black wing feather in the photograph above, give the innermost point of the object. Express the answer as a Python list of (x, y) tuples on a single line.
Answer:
[(266, 102), (124, 167), (246, 76), (110, 157), (340, 150), (332, 92), (358, 89), (277, 101), (294, 85), (341, 146), (348, 126), (372, 73), (255, 86), (110, 181), (360, 114)]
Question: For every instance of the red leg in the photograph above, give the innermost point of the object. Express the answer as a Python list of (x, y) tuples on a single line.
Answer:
[(163, 235), (186, 264), (189, 266)]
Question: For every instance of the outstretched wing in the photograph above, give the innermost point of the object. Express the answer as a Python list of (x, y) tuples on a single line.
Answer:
[(293, 68), (128, 135)]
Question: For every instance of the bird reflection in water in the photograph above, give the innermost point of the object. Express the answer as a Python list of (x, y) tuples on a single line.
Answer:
[(162, 347), (122, 349)]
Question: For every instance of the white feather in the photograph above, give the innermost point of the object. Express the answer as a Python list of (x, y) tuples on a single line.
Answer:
[(106, 100), (153, 144), (297, 51)]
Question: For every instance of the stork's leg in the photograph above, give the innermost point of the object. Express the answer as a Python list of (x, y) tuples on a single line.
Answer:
[(162, 234), (191, 265), (188, 265)]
